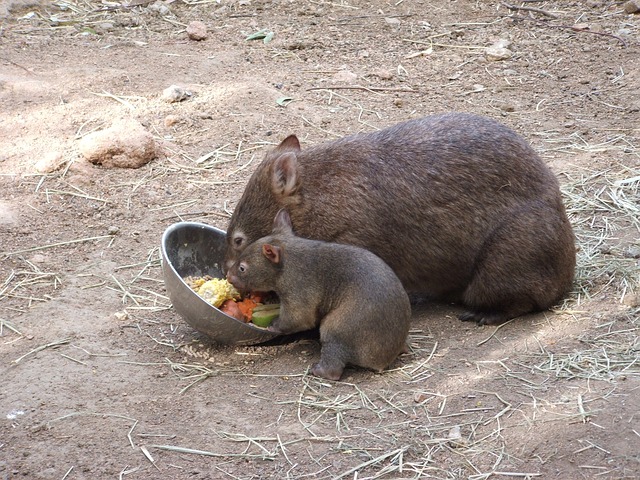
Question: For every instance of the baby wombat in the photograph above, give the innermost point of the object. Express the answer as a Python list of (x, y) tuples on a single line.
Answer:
[(353, 296), (459, 206)]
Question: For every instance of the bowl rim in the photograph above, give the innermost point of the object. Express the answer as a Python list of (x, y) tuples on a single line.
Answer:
[(163, 250)]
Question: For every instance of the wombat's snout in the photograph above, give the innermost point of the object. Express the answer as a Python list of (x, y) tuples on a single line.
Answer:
[(227, 263), (235, 281)]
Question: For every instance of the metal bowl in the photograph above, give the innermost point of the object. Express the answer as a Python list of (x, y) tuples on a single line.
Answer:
[(196, 249)]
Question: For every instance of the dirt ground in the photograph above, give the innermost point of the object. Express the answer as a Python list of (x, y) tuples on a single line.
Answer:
[(101, 379)]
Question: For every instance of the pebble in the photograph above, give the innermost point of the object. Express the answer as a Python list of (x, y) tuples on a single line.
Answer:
[(38, 258), (171, 120), (499, 50), (104, 27), (197, 30), (345, 76), (632, 252), (507, 107), (631, 300), (175, 94), (632, 6), (126, 144), (51, 162), (159, 8), (496, 54), (383, 74), (420, 397)]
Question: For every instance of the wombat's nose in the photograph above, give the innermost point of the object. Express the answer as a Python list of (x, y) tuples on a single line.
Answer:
[(226, 266)]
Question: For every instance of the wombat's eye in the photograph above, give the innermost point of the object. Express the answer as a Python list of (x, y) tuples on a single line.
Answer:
[(237, 242), (242, 267)]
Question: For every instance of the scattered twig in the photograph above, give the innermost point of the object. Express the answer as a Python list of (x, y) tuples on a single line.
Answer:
[(530, 9), (43, 347), (494, 332), (206, 453), (52, 245), (367, 89)]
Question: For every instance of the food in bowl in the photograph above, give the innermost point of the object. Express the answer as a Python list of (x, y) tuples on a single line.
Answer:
[(223, 295)]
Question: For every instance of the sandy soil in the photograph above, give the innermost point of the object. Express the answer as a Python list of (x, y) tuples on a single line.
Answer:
[(100, 378)]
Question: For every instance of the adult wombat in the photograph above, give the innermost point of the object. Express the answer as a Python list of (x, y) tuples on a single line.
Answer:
[(458, 205), (359, 303)]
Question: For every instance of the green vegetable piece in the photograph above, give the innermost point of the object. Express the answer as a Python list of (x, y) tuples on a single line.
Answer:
[(263, 315)]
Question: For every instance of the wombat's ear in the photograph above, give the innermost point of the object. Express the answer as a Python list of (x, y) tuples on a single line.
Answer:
[(272, 252), (284, 175), (291, 143), (282, 222)]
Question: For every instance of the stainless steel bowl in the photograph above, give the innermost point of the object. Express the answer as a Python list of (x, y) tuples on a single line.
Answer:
[(196, 249)]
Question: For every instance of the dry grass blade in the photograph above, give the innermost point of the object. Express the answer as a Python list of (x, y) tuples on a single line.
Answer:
[(195, 372), (205, 453), (43, 347), (120, 99), (395, 453), (6, 324), (52, 245), (604, 210)]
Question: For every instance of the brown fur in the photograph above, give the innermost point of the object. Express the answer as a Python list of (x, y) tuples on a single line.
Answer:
[(459, 206), (357, 301)]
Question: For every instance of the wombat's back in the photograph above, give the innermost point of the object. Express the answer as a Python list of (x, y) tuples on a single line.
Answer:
[(362, 308), (427, 196), (424, 195)]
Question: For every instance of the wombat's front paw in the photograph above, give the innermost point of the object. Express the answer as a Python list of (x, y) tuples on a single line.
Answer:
[(483, 318), (329, 373)]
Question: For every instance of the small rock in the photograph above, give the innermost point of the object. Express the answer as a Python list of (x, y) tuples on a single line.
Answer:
[(633, 107), (632, 6), (51, 162), (126, 144), (631, 299), (507, 107), (197, 30), (420, 397), (398, 102), (392, 20), (159, 8), (632, 252), (121, 316), (103, 27), (383, 74), (345, 76), (112, 230), (496, 54), (502, 43), (171, 120), (175, 94), (38, 258), (454, 433)]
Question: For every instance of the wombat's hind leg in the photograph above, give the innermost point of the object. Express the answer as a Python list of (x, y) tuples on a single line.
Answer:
[(330, 372), (526, 265), (332, 360)]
